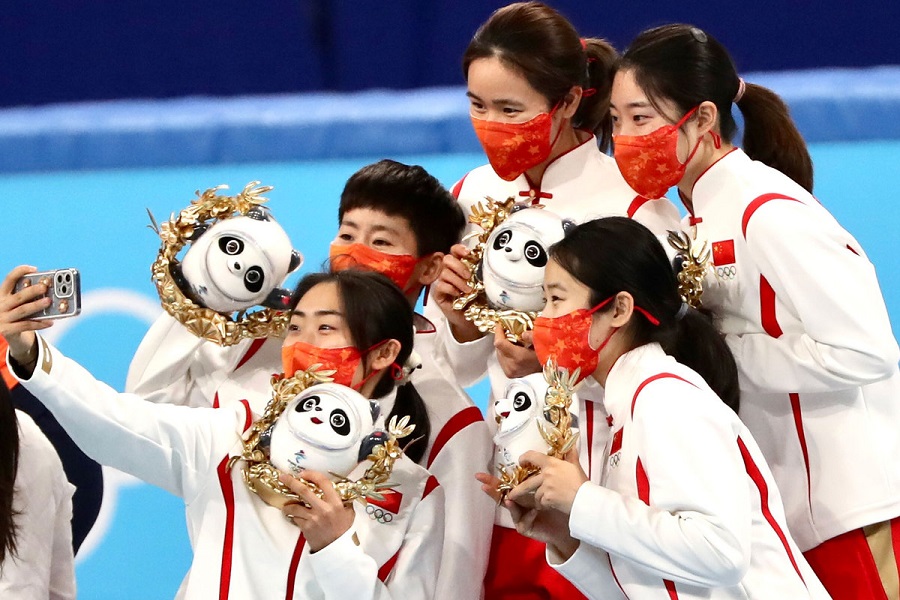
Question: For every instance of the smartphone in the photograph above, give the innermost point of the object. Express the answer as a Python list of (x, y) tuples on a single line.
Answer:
[(63, 288)]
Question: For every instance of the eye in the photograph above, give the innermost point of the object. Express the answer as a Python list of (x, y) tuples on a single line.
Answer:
[(253, 279), (521, 401), (502, 240), (308, 404), (345, 237), (231, 246), (339, 422), (535, 254)]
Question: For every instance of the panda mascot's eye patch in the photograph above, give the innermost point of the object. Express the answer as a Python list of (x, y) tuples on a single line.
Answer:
[(521, 401), (254, 279), (231, 245), (339, 422), (502, 240), (308, 404), (535, 254)]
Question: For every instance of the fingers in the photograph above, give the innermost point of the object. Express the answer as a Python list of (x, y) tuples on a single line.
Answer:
[(329, 494), (459, 251), (301, 489), (295, 510), (528, 338), (9, 283), (455, 275), (489, 485), (535, 459)]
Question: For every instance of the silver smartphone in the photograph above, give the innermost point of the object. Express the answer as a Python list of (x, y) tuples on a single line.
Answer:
[(63, 288)]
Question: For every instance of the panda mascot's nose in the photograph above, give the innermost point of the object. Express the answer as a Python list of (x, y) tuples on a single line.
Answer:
[(235, 266), (513, 254)]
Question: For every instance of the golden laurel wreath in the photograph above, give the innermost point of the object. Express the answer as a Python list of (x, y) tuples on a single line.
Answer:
[(475, 305), (262, 478), (175, 233), (559, 434), (694, 262)]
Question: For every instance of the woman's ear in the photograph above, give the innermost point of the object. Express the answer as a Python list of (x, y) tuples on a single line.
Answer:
[(571, 102), (430, 267), (707, 118), (623, 308), (384, 355)]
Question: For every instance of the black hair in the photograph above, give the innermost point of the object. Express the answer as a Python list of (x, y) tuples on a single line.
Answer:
[(9, 464), (409, 192), (375, 310), (688, 66), (541, 44), (617, 254)]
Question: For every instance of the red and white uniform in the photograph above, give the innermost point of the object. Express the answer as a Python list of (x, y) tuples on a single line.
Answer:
[(685, 506), (172, 365), (244, 548), (803, 314), (44, 564)]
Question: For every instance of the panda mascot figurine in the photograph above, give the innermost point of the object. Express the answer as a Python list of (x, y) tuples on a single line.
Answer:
[(518, 413), (328, 428), (512, 269), (238, 263)]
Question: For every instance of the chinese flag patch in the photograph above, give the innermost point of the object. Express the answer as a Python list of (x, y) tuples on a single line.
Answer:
[(723, 253), (616, 441)]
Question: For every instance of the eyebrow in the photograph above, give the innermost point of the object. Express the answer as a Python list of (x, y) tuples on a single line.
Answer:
[(637, 104), (555, 286), (318, 313), (375, 228), (497, 101)]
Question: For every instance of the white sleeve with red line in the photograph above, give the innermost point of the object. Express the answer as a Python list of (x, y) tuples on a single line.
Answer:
[(469, 512), (467, 361), (164, 445), (174, 366), (845, 337), (344, 571), (589, 570), (697, 526)]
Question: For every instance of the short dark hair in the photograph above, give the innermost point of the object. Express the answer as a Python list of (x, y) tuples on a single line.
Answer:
[(409, 192)]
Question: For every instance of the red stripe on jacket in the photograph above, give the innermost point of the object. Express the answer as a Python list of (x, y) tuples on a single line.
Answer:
[(228, 541), (251, 351), (457, 423), (650, 380), (763, 488), (295, 563), (756, 204), (458, 187)]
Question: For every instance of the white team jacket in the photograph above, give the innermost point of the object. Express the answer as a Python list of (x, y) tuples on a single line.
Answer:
[(685, 506), (44, 564), (173, 365), (803, 314), (581, 185), (244, 548)]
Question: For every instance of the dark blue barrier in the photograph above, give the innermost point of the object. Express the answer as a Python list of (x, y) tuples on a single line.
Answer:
[(828, 105)]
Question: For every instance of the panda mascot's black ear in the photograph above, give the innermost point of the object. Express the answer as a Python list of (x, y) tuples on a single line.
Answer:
[(260, 213), (182, 282), (568, 226), (278, 299), (265, 439), (678, 263), (370, 441), (199, 229), (574, 422), (375, 407), (479, 270), (517, 207), (296, 261)]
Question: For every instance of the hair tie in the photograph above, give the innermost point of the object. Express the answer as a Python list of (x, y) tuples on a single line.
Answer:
[(742, 87), (588, 92), (583, 44), (402, 375), (682, 310)]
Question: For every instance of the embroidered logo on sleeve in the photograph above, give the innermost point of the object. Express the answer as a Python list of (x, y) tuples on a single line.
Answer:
[(723, 259), (47, 363), (385, 510)]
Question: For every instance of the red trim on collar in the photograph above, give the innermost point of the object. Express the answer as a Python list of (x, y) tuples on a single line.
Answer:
[(423, 324), (710, 166), (635, 205)]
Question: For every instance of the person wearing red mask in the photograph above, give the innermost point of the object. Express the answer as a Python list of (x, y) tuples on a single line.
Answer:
[(678, 501), (538, 98), (800, 304), (243, 547)]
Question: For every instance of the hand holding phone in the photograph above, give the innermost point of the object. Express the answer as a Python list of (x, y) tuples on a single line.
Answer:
[(63, 289)]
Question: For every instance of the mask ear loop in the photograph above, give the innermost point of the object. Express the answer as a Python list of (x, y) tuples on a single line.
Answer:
[(359, 385)]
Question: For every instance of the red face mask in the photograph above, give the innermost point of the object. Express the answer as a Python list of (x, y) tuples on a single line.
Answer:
[(567, 339), (397, 267), (513, 148), (649, 163)]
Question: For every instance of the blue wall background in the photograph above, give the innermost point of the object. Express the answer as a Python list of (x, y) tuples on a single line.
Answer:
[(67, 50)]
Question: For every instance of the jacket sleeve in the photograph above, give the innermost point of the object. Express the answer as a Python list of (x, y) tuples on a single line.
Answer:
[(469, 512), (161, 444), (343, 570), (821, 274), (696, 526), (174, 366), (467, 361), (589, 570)]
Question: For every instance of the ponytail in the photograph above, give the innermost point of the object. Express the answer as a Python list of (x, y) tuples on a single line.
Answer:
[(9, 462), (593, 112), (771, 136), (409, 403), (695, 342)]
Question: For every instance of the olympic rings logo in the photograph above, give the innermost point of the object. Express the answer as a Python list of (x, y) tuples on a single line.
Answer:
[(727, 272), (378, 514)]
